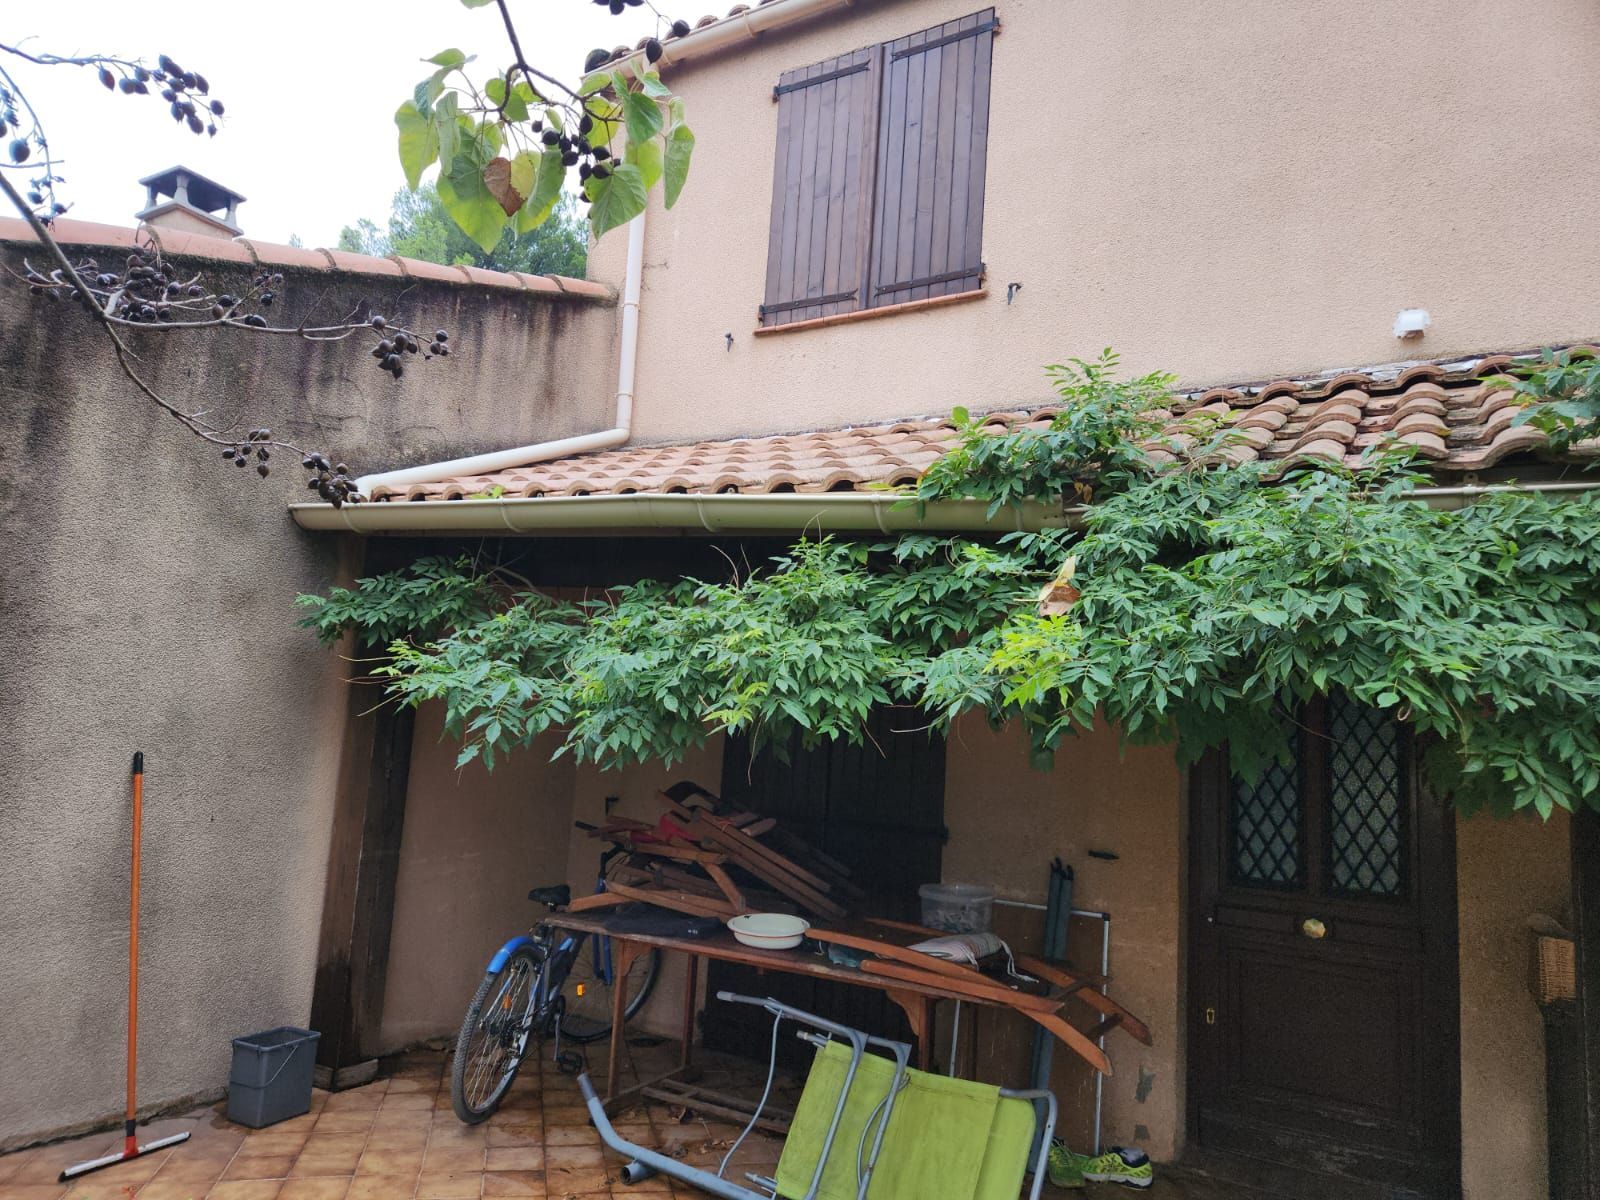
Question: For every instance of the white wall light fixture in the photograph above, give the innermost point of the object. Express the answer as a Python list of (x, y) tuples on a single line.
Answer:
[(1411, 322)]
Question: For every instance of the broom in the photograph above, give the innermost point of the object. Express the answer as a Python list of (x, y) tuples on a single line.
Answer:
[(130, 1143)]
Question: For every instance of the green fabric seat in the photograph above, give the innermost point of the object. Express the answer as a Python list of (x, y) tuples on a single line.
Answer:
[(948, 1139)]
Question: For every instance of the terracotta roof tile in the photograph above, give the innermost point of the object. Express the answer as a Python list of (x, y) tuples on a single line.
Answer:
[(256, 253), (1455, 420)]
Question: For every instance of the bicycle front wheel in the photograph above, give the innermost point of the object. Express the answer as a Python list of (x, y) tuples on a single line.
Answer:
[(591, 989), (494, 1036)]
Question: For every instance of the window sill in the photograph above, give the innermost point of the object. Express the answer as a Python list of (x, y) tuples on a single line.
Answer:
[(869, 314)]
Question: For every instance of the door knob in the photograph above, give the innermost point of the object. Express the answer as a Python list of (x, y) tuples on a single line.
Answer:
[(1313, 929)]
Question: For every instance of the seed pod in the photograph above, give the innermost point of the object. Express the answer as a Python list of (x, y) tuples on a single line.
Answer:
[(108, 80), (652, 50), (680, 29)]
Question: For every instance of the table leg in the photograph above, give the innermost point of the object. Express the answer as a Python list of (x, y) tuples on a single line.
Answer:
[(919, 1015), (623, 956), (691, 985)]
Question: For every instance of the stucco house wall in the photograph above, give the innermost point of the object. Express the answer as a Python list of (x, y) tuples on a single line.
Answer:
[(1228, 191), (146, 603)]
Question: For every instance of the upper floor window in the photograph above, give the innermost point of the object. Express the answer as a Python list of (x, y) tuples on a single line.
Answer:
[(877, 193)]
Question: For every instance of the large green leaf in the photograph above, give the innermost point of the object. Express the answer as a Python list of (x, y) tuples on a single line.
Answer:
[(643, 116), (450, 59), (475, 3), (647, 157), (419, 144), (470, 203), (618, 198), (552, 173), (680, 146)]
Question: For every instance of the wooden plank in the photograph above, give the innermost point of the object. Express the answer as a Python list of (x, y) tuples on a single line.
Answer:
[(928, 962), (684, 902), (1104, 1027), (977, 154), (904, 216), (727, 886), (786, 150), (806, 201), (1080, 1045), (950, 214), (361, 877), (891, 172), (875, 142), (972, 988), (927, 171), (733, 838), (830, 109), (1102, 1004), (719, 1104), (598, 900)]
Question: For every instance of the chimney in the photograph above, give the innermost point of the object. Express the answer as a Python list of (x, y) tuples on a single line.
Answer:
[(179, 198)]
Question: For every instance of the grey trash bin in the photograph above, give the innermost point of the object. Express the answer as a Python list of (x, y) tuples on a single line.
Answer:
[(271, 1076)]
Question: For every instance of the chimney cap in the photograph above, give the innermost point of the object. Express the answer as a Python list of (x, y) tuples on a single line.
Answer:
[(205, 194)]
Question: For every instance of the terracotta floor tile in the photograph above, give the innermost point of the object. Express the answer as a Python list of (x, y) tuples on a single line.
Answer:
[(357, 1098), (574, 1156), (450, 1160), (380, 1160), (404, 1100), (381, 1187), (390, 1121), (559, 1182), (246, 1189), (452, 1132), (32, 1191), (399, 1140), (194, 1168), (514, 1183), (169, 1189), (561, 1115), (310, 1166), (44, 1164), (571, 1135), (328, 1144), (518, 1158), (300, 1124), (345, 1120), (411, 1084), (515, 1135), (270, 1142), (450, 1187), (315, 1189), (260, 1166)]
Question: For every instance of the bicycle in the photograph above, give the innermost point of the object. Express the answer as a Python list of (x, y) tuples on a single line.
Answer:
[(524, 994)]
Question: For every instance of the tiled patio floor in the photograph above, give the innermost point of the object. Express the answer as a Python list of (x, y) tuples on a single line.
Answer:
[(397, 1137)]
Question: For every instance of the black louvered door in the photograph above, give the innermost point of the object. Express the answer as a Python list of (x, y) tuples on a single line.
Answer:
[(1323, 961), (879, 809)]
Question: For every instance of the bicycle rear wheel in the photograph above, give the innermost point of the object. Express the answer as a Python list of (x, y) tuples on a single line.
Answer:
[(590, 989), (494, 1036)]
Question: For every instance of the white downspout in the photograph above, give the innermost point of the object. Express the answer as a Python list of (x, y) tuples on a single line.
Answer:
[(521, 456)]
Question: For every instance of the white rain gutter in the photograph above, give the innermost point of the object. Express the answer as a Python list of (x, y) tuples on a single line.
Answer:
[(622, 516), (521, 456), (766, 513)]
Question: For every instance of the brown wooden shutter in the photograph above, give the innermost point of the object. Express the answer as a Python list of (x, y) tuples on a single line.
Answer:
[(821, 185), (932, 147)]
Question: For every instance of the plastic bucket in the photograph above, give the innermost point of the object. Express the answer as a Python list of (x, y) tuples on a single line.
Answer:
[(270, 1080)]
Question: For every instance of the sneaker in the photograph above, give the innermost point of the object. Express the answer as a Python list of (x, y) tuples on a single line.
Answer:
[(1121, 1164), (1065, 1167)]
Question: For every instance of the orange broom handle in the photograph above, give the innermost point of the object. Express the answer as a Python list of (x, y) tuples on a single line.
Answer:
[(130, 1145)]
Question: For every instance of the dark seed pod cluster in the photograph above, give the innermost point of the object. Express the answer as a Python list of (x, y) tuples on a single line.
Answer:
[(394, 345), (255, 447), (331, 481)]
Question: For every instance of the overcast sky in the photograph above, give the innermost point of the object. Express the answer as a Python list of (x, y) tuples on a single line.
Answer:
[(310, 88)]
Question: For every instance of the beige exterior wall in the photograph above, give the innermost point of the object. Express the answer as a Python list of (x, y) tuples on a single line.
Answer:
[(1506, 871), (474, 842), (1227, 191), (146, 603)]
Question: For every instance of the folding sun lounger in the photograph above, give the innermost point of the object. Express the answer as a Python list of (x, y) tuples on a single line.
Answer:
[(869, 1127)]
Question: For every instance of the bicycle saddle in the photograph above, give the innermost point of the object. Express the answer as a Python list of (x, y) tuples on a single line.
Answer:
[(553, 897)]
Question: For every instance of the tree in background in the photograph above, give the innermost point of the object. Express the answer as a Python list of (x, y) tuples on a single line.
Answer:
[(420, 228)]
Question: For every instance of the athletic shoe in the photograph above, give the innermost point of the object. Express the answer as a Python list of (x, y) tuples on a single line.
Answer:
[(1066, 1168), (1121, 1164)]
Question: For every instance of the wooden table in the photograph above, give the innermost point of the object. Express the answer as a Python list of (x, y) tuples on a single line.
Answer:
[(913, 998)]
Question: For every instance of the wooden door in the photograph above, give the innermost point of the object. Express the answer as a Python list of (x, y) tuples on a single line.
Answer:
[(879, 809), (1324, 1015)]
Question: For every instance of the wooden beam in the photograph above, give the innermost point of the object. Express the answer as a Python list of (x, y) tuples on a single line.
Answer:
[(359, 890)]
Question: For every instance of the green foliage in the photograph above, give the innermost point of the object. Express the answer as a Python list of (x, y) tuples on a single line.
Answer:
[(419, 227), (1093, 444), (1561, 392), (503, 150), (1213, 599)]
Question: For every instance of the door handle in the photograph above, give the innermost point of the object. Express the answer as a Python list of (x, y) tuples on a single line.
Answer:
[(1313, 929)]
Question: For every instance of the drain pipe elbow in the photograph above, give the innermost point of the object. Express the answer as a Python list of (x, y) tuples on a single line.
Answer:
[(522, 456)]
